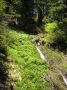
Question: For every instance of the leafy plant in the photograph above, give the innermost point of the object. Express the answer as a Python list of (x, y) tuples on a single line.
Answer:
[(2, 7)]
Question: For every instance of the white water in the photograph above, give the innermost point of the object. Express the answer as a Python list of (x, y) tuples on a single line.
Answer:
[(43, 58), (64, 79), (41, 54)]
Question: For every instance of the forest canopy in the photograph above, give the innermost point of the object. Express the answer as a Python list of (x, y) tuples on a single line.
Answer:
[(49, 16)]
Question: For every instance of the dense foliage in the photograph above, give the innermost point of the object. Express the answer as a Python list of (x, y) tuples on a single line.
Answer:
[(20, 21), (55, 24)]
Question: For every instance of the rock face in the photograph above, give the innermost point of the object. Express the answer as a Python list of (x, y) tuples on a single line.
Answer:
[(8, 76), (14, 74), (3, 77)]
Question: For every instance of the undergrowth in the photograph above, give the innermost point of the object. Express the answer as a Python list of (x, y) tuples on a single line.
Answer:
[(57, 64), (21, 54), (32, 69)]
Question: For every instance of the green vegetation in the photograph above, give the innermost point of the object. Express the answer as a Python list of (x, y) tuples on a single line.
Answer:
[(51, 29), (23, 25), (53, 34), (58, 63), (2, 7), (32, 68), (24, 55)]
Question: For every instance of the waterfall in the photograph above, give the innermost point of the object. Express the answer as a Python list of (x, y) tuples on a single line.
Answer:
[(41, 54), (43, 58), (64, 79)]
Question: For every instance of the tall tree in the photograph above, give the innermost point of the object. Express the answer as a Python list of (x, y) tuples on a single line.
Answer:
[(27, 13)]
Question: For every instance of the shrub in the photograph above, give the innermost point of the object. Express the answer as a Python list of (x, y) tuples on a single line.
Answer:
[(2, 7), (55, 37), (51, 27)]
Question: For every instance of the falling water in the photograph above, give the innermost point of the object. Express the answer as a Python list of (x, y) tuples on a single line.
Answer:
[(43, 58), (64, 79), (41, 54)]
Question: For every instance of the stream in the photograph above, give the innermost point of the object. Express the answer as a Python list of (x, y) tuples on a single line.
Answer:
[(64, 78), (43, 58), (41, 54)]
